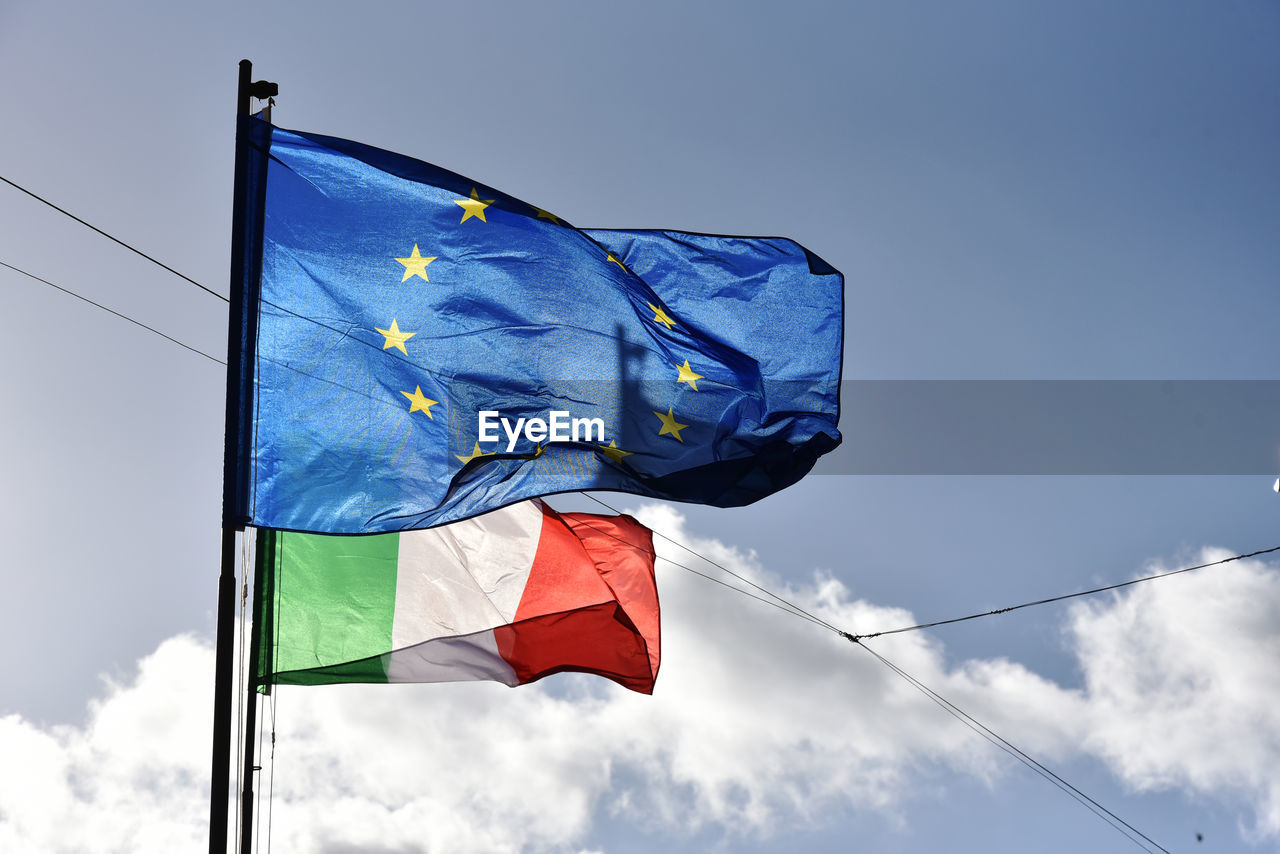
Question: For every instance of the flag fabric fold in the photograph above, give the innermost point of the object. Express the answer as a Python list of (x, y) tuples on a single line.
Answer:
[(510, 596), (428, 348)]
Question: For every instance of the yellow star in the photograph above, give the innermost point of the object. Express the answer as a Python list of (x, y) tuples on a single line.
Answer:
[(687, 375), (549, 215), (396, 338), (670, 426), (619, 263), (613, 452), (415, 265), (660, 316), (474, 206), (419, 402), (476, 453)]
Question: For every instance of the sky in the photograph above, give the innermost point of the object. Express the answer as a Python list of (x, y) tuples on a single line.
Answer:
[(1013, 190)]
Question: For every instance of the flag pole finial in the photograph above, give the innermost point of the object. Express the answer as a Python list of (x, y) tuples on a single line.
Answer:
[(250, 88)]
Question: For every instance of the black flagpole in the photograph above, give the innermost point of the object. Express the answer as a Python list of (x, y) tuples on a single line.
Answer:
[(239, 359), (222, 686), (260, 571)]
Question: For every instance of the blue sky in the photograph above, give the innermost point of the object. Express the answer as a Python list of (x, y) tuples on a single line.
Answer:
[(1029, 191)]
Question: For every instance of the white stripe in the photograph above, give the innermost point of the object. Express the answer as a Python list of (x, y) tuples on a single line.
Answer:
[(450, 660), (466, 577)]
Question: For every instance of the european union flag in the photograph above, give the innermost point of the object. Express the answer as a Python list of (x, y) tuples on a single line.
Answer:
[(428, 348)]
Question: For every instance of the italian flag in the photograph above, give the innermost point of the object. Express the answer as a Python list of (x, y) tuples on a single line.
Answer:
[(512, 596)]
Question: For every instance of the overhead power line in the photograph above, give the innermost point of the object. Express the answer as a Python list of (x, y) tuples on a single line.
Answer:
[(110, 237), (775, 601), (857, 638), (99, 305), (1136, 836), (1116, 822), (774, 598)]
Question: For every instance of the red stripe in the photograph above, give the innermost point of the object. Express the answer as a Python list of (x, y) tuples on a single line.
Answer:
[(590, 605), (622, 549)]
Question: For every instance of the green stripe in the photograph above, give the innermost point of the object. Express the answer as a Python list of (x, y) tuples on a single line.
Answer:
[(334, 601), (264, 606)]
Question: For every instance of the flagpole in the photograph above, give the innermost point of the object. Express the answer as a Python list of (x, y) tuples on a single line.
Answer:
[(260, 571), (222, 686), (239, 358)]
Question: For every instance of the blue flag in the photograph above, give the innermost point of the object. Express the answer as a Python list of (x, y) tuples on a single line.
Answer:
[(428, 348)]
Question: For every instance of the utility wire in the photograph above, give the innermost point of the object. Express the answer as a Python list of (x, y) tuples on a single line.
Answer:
[(856, 638), (781, 604), (1119, 824), (977, 726), (70, 292), (786, 604), (111, 238)]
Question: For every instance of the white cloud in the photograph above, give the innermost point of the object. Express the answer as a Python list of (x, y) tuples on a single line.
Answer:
[(760, 722), (765, 718), (134, 778), (1183, 677)]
